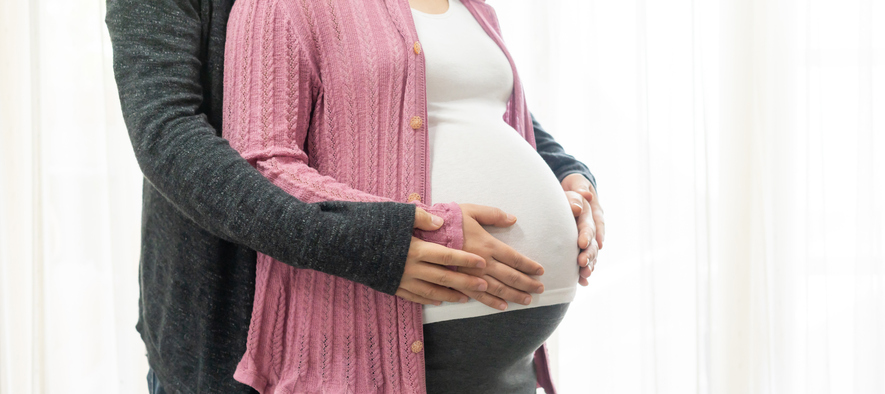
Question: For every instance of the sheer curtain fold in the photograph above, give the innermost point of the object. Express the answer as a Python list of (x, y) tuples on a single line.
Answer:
[(69, 206), (738, 145)]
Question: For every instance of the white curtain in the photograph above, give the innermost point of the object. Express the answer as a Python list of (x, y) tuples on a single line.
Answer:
[(739, 150), (738, 146), (70, 195)]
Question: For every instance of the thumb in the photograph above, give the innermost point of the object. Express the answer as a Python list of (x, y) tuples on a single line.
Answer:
[(579, 184), (576, 202), (587, 194), (489, 216), (425, 221)]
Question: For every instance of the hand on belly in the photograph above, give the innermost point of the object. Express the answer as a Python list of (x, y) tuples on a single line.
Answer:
[(506, 270), (495, 167)]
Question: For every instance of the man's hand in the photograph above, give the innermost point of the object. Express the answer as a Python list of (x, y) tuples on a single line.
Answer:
[(590, 220), (506, 270), (426, 278)]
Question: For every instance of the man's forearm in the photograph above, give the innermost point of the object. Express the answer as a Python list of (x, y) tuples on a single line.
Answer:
[(157, 64), (560, 162)]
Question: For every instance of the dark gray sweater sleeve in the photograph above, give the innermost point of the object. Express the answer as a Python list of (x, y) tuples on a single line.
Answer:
[(560, 162), (157, 51)]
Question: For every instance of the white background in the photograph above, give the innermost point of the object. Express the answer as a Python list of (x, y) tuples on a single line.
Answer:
[(737, 144)]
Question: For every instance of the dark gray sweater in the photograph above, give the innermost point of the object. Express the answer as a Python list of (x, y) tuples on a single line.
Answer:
[(206, 211)]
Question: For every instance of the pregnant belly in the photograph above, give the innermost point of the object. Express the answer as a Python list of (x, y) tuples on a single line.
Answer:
[(490, 164)]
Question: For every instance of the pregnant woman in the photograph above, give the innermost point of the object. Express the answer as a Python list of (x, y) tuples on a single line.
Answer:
[(377, 101), (476, 157)]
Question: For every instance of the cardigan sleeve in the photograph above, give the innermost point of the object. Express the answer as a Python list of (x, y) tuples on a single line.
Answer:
[(158, 60), (271, 90)]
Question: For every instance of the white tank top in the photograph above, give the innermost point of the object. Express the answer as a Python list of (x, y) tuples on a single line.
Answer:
[(476, 157)]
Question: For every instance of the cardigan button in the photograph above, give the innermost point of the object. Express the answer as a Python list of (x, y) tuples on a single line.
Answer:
[(417, 48), (416, 122), (414, 197), (417, 347)]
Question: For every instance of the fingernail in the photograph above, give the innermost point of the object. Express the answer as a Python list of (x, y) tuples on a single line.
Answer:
[(482, 287), (463, 299), (438, 221), (437, 303), (539, 289), (527, 300), (502, 306), (510, 217), (577, 205), (540, 271)]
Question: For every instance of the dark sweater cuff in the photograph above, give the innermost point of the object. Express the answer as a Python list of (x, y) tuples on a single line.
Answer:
[(367, 243), (579, 169)]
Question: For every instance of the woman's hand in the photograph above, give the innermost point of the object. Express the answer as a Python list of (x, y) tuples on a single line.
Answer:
[(590, 220), (426, 278), (506, 271)]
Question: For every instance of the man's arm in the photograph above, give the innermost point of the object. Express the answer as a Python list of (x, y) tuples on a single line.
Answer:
[(580, 189), (157, 64), (562, 164)]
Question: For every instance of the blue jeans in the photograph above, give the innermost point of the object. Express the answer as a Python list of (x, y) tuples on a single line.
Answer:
[(154, 386)]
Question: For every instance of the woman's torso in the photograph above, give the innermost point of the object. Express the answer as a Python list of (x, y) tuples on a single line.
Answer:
[(475, 157), (354, 86)]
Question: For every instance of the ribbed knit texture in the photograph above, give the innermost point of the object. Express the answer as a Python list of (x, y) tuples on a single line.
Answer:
[(206, 210), (321, 97)]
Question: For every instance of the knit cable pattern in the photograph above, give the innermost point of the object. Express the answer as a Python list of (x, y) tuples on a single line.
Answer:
[(318, 97)]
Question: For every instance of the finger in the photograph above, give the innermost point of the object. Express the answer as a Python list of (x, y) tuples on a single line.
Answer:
[(431, 291), (600, 231), (510, 257), (586, 226), (489, 216), (440, 255), (426, 221), (583, 274), (448, 278), (588, 255), (574, 182), (598, 220), (409, 296), (578, 183), (576, 202), (507, 293), (587, 194), (513, 278), (488, 299)]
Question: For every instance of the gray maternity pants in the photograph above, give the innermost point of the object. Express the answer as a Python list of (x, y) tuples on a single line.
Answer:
[(488, 354)]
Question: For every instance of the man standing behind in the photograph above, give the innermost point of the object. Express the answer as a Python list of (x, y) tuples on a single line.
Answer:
[(206, 210)]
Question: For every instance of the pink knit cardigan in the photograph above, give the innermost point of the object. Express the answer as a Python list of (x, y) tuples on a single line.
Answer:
[(326, 98)]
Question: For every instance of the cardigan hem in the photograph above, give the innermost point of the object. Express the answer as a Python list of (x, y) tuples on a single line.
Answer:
[(253, 379)]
